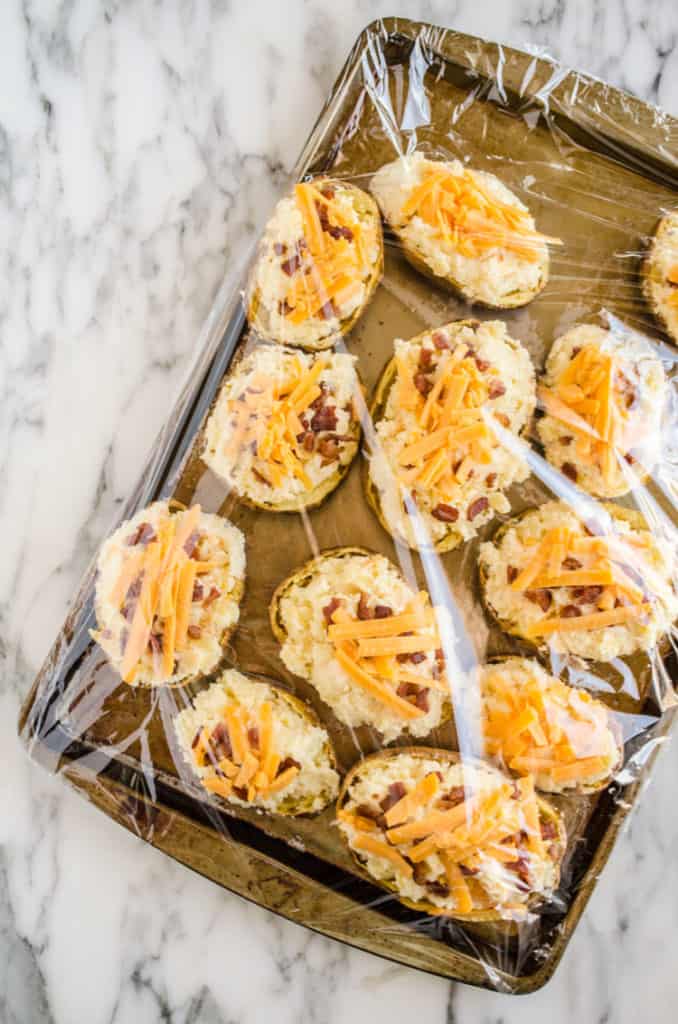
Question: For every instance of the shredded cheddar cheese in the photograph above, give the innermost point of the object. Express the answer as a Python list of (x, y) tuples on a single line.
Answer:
[(464, 215)]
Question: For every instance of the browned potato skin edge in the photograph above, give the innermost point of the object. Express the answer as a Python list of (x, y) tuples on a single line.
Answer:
[(546, 811), (256, 313)]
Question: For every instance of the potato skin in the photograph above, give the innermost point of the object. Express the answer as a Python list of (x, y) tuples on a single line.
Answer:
[(546, 811), (257, 314), (631, 516), (307, 570)]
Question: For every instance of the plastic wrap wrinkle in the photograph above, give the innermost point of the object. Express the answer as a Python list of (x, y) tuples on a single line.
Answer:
[(470, 848)]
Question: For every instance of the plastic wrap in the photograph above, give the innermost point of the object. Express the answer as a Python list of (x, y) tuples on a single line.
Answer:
[(515, 474)]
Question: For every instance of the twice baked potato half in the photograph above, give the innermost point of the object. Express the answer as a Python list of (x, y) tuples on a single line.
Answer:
[(660, 274), (318, 265), (437, 466), (599, 589), (349, 624), (603, 396), (535, 724), (465, 229), (449, 837), (252, 744), (168, 593), (285, 427)]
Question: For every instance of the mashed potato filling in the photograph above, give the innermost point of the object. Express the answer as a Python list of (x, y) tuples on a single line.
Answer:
[(369, 644), (316, 262), (662, 273), (535, 724), (439, 457), (603, 396), (168, 589), (248, 744), (284, 424), (465, 225), (459, 837), (599, 590)]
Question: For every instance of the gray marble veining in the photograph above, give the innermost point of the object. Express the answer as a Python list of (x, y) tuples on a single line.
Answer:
[(139, 142)]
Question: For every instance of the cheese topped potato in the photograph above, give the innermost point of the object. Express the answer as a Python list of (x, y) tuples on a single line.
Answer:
[(660, 274), (255, 745), (371, 646), (464, 228), (603, 397), (536, 724), (167, 594), (598, 589), (319, 262), (438, 466), (451, 837), (285, 428)]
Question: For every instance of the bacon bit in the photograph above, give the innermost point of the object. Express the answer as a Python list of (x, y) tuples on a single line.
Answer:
[(253, 736), (382, 611), (586, 595), (440, 340), (548, 830), (452, 798), (291, 265), (420, 873), (220, 742), (483, 365), (476, 507), (196, 738), (260, 477), (330, 609), (198, 591), (212, 596), (422, 384), (308, 441), (365, 811), (143, 534), (541, 597), (363, 607), (279, 248), (328, 311), (570, 471), (571, 563), (521, 869), (155, 642), (337, 231), (567, 439), (496, 389), (194, 632), (284, 308), (512, 573), (630, 459), (570, 611), (396, 791), (575, 352), (491, 479), (132, 597), (325, 418), (191, 542), (328, 191), (445, 513), (421, 700), (425, 358)]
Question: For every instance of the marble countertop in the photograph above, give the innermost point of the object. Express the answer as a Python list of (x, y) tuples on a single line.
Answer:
[(137, 140)]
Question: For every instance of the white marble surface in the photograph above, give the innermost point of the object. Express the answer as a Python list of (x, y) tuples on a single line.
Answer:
[(136, 140)]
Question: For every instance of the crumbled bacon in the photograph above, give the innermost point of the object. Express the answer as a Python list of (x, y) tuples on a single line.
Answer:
[(191, 543), (195, 632), (212, 596), (382, 611), (440, 339), (425, 358), (541, 597), (330, 609), (365, 811), (422, 383), (253, 737), (570, 611), (279, 248), (325, 418), (496, 389), (571, 563), (512, 573), (329, 449), (586, 595), (196, 738), (396, 791), (445, 513), (548, 830), (491, 479), (143, 534), (363, 607), (328, 311), (476, 507), (291, 265), (570, 471)]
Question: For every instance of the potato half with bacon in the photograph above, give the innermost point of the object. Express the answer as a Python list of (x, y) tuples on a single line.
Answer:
[(285, 428), (255, 745), (438, 467), (464, 228), (318, 265), (603, 395), (167, 594), (535, 724), (660, 274), (451, 837), (371, 646), (600, 588)]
